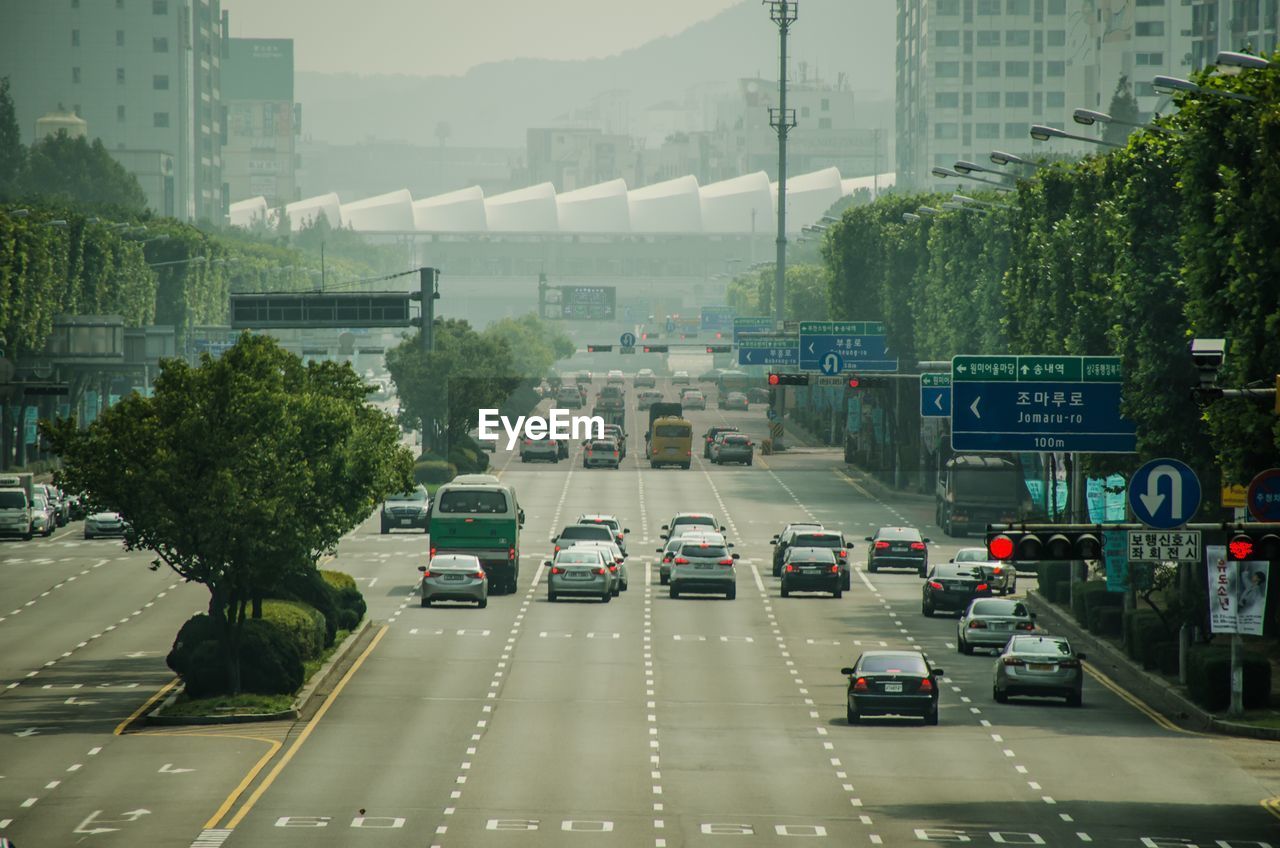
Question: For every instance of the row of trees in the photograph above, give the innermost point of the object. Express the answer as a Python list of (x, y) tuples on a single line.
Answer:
[(1132, 253)]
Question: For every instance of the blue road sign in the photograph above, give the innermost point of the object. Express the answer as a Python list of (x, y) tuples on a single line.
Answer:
[(751, 324), (1164, 493), (1263, 499), (831, 364), (671, 324), (859, 347), (627, 340), (717, 317), (768, 349), (935, 401), (1018, 416)]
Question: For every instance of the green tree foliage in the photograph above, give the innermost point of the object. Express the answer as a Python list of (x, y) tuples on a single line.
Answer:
[(239, 472), (540, 343), (807, 294), (12, 152), (75, 172)]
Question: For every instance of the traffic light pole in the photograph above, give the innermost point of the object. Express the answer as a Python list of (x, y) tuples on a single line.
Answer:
[(784, 14)]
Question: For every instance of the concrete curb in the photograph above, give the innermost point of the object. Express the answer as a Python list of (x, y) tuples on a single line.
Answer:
[(156, 718), (1157, 692), (880, 490)]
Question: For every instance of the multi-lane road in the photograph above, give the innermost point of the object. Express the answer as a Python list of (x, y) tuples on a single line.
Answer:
[(644, 722)]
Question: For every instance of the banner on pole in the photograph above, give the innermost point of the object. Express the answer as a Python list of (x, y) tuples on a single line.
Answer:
[(1237, 593)]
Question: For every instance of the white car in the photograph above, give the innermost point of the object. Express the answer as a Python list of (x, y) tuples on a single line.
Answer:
[(615, 378), (681, 378), (103, 524)]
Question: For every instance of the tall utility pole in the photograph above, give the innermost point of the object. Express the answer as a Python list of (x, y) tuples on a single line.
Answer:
[(783, 13)]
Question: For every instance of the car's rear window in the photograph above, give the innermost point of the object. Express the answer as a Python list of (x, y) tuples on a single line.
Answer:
[(893, 665), (703, 549), (736, 440), (818, 540), (673, 431), (697, 520), (973, 555), (899, 533), (472, 500), (608, 522), (604, 446), (590, 557), (811, 554), (587, 531), (956, 571), (1047, 647), (999, 608)]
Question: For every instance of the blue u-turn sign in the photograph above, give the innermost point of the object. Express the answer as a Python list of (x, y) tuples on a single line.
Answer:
[(1164, 493)]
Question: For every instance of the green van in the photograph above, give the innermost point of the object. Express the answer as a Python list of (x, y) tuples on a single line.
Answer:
[(482, 519)]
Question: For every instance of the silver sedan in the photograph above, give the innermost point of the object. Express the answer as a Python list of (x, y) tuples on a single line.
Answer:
[(580, 572), (1001, 576), (614, 558), (705, 567), (991, 623), (1039, 665), (454, 577)]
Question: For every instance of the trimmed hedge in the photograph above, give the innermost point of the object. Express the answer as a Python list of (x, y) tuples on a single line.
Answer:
[(1209, 678), (1061, 593), (1085, 592), (338, 579), (303, 623), (1095, 603), (1142, 627), (433, 471), (1109, 621), (270, 664), (1166, 656), (1051, 573)]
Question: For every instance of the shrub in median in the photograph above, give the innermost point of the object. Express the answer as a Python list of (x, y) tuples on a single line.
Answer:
[(310, 587), (1209, 678), (270, 664), (338, 579), (1109, 621), (301, 622), (1084, 592), (351, 604), (1050, 574), (1142, 627), (195, 630), (433, 471), (1095, 603)]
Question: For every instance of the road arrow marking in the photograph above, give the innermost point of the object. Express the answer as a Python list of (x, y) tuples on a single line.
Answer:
[(168, 768), (137, 655), (30, 731), (973, 407), (87, 820), (1152, 499), (134, 815), (77, 702)]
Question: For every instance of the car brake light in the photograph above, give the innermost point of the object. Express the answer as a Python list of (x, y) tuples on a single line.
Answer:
[(427, 574), (433, 551), (982, 587), (860, 685), (926, 685), (934, 584), (1026, 625), (977, 624), (615, 453), (681, 561), (511, 554), (1011, 661), (600, 570), (880, 546), (842, 554), (479, 575), (613, 566), (917, 546), (997, 570), (835, 569), (555, 569), (726, 561), (790, 567), (688, 453)]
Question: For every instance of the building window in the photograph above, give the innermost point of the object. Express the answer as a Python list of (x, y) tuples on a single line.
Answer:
[(988, 38), (159, 7), (1057, 7), (946, 38), (1150, 2), (160, 82), (120, 113), (1017, 69), (1148, 28), (804, 111), (1055, 69), (1055, 99), (826, 104), (75, 75), (119, 38), (159, 44), (1057, 38), (119, 76), (1149, 58), (988, 7), (987, 130), (1016, 99), (988, 69), (988, 100), (1018, 7), (1016, 129), (945, 131), (946, 100), (1017, 38), (1144, 89), (75, 38), (824, 123), (160, 119), (946, 7), (946, 70)]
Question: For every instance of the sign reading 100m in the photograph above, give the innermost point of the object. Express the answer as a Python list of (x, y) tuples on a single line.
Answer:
[(588, 303)]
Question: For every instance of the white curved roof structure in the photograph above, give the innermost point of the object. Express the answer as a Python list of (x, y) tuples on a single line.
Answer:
[(307, 211), (739, 205), (526, 210), (245, 213), (673, 206), (460, 211), (390, 211), (599, 208)]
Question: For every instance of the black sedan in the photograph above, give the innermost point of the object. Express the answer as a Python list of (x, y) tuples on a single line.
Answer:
[(901, 683), (898, 547), (951, 586)]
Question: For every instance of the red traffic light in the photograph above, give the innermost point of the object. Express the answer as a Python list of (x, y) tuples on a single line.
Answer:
[(1241, 548), (719, 335), (644, 336), (773, 379), (1001, 547), (853, 382)]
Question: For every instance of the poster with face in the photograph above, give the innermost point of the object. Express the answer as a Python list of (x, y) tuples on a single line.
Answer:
[(1237, 593)]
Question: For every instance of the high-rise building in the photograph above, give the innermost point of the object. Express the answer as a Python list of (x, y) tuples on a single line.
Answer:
[(1238, 25), (1139, 40), (144, 75), (975, 75), (259, 157)]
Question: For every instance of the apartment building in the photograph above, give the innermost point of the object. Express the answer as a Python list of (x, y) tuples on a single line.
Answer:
[(259, 155)]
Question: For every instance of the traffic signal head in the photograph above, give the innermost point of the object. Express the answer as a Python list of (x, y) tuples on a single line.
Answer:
[(788, 379), (599, 348), (858, 381), (1261, 544), (719, 348), (655, 348), (1053, 545)]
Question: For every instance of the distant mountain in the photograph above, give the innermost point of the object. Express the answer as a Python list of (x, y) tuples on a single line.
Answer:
[(493, 104)]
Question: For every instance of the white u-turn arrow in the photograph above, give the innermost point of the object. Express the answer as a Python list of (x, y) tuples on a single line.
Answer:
[(1152, 499)]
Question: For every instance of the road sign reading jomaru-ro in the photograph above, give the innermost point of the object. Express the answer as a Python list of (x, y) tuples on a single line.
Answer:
[(1164, 546)]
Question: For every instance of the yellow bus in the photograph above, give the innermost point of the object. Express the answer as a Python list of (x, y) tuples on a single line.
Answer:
[(670, 442)]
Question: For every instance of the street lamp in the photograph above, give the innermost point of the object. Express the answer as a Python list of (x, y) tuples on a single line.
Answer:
[(1177, 84), (964, 198), (909, 217), (1040, 132), (192, 260), (948, 172), (1239, 61), (965, 168), (999, 157), (19, 213), (1089, 117), (927, 210)]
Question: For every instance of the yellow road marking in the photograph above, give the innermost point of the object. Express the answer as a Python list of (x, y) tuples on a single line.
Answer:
[(1272, 805), (763, 461), (164, 690), (306, 732), (273, 747), (854, 483), (1135, 702)]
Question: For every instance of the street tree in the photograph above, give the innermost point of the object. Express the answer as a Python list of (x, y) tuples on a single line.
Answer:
[(62, 169), (12, 153), (239, 472), (1124, 107)]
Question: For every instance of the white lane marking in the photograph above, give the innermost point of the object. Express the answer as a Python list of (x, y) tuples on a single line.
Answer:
[(755, 572)]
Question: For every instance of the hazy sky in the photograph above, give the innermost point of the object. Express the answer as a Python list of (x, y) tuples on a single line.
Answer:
[(451, 36)]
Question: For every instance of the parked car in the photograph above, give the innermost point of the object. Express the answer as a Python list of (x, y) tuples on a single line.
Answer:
[(1039, 665), (453, 577), (901, 683)]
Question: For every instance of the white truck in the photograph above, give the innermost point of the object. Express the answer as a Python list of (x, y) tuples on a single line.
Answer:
[(15, 505)]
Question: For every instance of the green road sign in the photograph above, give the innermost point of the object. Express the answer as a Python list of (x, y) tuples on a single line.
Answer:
[(935, 381), (1102, 369), (1036, 369), (1041, 369), (985, 369), (842, 328)]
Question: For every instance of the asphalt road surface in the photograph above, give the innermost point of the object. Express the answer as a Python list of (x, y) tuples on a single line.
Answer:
[(643, 722)]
